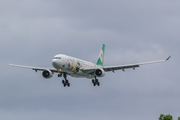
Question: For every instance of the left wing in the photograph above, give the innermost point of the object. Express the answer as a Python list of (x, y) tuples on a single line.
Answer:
[(34, 68), (122, 67)]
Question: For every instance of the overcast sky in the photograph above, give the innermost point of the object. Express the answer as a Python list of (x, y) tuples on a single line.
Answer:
[(33, 31)]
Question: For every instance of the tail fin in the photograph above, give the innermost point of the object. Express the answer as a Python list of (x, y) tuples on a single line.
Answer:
[(101, 56)]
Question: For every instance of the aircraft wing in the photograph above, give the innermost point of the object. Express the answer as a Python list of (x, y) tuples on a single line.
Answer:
[(122, 67), (34, 68)]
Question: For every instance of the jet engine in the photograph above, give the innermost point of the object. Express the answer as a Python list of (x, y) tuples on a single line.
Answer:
[(47, 74), (99, 72)]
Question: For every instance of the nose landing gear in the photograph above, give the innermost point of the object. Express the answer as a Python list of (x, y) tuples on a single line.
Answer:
[(60, 75)]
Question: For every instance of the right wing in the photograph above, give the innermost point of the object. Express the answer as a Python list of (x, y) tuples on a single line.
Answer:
[(34, 68), (121, 67)]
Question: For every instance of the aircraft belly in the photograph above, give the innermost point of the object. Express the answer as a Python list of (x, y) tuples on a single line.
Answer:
[(81, 75)]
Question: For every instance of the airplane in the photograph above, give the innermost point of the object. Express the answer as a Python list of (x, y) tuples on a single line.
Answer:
[(66, 65)]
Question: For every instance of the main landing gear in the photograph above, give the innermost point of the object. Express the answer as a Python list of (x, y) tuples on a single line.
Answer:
[(95, 82), (64, 82)]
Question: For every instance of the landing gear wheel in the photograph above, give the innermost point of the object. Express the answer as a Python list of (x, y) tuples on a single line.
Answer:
[(68, 84), (60, 75), (93, 81), (63, 82), (98, 83), (64, 85)]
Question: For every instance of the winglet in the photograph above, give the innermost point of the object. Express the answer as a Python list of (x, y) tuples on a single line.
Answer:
[(8, 63), (168, 58)]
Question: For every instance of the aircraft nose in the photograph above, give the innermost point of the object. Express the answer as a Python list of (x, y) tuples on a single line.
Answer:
[(55, 63)]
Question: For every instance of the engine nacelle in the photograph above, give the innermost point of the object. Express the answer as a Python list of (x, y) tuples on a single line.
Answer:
[(99, 72), (47, 74)]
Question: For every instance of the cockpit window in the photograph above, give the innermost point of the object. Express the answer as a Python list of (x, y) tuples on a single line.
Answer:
[(56, 58)]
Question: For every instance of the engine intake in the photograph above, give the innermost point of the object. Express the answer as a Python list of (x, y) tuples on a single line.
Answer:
[(99, 72), (47, 74)]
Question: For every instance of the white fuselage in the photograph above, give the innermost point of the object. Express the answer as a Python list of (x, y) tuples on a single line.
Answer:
[(67, 64)]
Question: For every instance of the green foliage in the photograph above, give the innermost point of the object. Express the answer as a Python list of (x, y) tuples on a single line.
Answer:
[(166, 117), (178, 118), (161, 117)]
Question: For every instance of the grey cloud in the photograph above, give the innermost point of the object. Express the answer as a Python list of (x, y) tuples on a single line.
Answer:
[(32, 32)]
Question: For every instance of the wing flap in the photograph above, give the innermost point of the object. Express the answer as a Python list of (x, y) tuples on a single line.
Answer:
[(120, 67)]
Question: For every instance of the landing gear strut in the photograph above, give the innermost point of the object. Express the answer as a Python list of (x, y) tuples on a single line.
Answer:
[(95, 82), (65, 82)]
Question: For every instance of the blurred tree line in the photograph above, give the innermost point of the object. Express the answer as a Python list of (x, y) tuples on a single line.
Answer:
[(166, 117)]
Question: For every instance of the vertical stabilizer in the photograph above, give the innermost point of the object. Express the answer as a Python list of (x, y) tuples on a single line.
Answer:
[(101, 56)]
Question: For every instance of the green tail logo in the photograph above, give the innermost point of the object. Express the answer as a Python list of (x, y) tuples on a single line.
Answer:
[(101, 56)]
